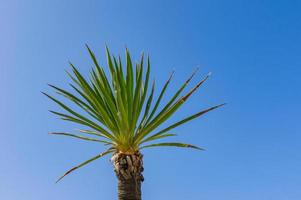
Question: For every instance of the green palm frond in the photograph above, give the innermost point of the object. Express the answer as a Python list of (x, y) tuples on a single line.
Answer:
[(81, 137), (110, 150), (120, 110), (172, 144)]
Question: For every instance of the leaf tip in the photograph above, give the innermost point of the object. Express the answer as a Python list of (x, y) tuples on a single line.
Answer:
[(220, 105)]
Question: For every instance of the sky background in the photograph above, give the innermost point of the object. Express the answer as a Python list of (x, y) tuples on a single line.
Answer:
[(251, 47)]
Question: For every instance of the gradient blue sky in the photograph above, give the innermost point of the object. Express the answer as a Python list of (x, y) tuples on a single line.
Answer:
[(253, 49)]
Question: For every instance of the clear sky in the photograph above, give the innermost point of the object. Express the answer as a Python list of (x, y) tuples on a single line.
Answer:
[(252, 49)]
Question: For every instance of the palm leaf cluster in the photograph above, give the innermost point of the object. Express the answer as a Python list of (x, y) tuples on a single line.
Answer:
[(120, 110)]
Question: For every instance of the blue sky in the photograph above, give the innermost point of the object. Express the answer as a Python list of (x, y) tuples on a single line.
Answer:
[(251, 47)]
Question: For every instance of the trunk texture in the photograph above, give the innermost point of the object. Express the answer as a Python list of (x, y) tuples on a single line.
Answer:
[(128, 169)]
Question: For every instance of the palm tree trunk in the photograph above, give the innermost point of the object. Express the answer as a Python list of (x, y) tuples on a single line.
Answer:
[(128, 169)]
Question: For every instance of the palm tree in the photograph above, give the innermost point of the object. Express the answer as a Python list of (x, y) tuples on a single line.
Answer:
[(121, 113)]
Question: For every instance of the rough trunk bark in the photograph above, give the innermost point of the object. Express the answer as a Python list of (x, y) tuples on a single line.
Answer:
[(128, 169)]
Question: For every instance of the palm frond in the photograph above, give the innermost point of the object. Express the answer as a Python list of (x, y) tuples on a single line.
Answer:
[(172, 144), (110, 150), (80, 137), (160, 133)]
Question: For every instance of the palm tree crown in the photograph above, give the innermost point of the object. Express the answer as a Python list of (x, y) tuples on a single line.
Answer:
[(120, 110)]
